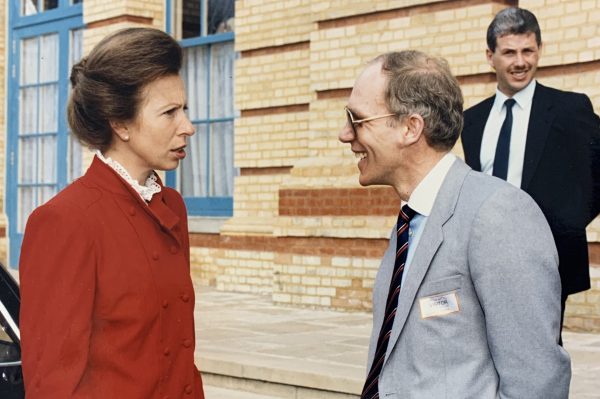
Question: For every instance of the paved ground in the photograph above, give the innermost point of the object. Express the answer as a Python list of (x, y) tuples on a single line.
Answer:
[(246, 336)]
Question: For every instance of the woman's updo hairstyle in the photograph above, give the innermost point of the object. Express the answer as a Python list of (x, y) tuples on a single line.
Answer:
[(107, 85)]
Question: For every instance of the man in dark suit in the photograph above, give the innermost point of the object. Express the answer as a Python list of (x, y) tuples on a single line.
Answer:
[(543, 140)]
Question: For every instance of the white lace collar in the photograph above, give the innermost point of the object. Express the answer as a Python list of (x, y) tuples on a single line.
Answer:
[(146, 191)]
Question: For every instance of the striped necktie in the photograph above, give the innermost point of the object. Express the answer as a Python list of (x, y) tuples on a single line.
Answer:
[(370, 389)]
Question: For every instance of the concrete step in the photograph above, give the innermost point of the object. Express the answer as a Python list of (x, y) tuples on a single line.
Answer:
[(212, 392), (246, 343), (277, 378)]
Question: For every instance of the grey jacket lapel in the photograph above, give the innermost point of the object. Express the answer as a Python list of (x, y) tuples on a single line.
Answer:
[(431, 239)]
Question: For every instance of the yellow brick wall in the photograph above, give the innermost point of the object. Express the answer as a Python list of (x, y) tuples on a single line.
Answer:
[(337, 52), (271, 140), (332, 9), (570, 29), (272, 80), (91, 37), (233, 270), (324, 281), (258, 196), (583, 309), (97, 10), (266, 23)]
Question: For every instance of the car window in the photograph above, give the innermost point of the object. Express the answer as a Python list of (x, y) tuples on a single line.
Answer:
[(9, 350)]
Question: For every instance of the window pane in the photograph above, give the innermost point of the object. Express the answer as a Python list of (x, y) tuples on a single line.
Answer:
[(76, 48), (29, 61), (221, 157), (220, 16), (27, 204), (192, 176), (190, 18), (195, 76), (49, 58), (75, 158), (48, 160), (28, 151), (76, 1), (29, 7), (74, 149), (48, 105), (221, 93), (28, 106), (9, 351), (46, 193), (49, 4)]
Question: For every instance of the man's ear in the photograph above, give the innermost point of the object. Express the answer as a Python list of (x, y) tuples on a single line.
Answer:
[(120, 129), (488, 55), (414, 128)]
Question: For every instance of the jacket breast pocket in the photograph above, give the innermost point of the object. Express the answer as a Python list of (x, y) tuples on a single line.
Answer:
[(439, 286)]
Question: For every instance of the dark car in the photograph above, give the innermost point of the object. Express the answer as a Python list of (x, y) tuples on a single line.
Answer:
[(11, 377)]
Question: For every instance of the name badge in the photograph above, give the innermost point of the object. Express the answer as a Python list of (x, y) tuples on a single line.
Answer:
[(439, 305)]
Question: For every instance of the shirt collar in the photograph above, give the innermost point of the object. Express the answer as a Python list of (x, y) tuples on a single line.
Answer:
[(422, 198), (523, 98), (146, 191)]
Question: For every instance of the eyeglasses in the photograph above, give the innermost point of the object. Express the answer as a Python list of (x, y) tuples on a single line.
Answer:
[(357, 122)]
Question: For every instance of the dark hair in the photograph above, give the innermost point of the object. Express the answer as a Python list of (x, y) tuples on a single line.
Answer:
[(418, 83), (512, 21), (107, 85)]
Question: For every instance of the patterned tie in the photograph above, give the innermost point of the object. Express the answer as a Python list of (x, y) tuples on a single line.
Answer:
[(370, 389), (503, 147)]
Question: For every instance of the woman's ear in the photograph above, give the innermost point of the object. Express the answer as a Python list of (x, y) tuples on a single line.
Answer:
[(120, 129)]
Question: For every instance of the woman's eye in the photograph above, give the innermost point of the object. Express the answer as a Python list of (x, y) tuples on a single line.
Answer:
[(171, 111)]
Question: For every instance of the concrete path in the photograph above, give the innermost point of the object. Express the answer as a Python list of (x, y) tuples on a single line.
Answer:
[(248, 348)]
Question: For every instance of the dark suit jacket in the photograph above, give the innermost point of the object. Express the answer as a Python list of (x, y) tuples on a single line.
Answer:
[(561, 170)]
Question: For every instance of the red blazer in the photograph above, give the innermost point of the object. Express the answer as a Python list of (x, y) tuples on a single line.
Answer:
[(107, 301)]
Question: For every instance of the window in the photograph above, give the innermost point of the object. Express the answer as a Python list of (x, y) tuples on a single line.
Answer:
[(30, 7), (205, 177), (45, 40)]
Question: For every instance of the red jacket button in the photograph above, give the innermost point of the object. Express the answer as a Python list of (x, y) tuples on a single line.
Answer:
[(173, 249), (165, 304), (132, 211), (188, 389), (185, 297), (155, 255), (187, 343), (167, 351)]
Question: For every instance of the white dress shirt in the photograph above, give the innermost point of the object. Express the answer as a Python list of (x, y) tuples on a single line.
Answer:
[(518, 137), (421, 201)]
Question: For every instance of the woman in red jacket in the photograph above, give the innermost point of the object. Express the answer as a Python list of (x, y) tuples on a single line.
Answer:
[(107, 299)]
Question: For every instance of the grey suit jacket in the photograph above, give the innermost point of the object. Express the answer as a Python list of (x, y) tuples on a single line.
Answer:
[(487, 244)]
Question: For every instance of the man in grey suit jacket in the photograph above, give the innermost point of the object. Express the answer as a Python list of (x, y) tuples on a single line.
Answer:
[(478, 298)]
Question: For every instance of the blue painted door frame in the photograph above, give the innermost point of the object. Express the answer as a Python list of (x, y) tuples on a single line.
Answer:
[(60, 21)]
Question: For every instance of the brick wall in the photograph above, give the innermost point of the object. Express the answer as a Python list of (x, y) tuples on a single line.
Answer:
[(105, 17), (298, 195)]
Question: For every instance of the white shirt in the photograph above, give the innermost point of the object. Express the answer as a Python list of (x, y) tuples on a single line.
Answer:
[(518, 136), (421, 201)]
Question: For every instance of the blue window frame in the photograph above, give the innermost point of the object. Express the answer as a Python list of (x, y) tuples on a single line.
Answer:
[(205, 177), (44, 40)]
